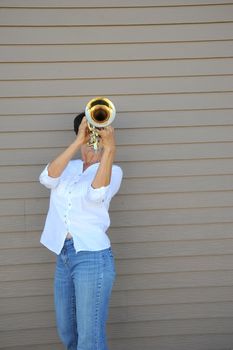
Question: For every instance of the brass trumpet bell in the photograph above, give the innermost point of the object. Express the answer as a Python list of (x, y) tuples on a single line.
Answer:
[(100, 112)]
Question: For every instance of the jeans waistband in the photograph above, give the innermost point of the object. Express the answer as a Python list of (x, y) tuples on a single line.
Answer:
[(69, 241)]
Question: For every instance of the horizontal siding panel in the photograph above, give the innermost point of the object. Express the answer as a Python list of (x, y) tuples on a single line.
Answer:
[(9, 207), (184, 248), (46, 346), (115, 16), (128, 69), (146, 136), (132, 218), (133, 202), (166, 152), (176, 184), (195, 279), (178, 167), (15, 223), (32, 337), (127, 314), (137, 250), (21, 239), (126, 153), (130, 266), (66, 104), (168, 217), (156, 233), (170, 232), (128, 201), (64, 122), (116, 86), (172, 201), (203, 342), (108, 52), (163, 342), (155, 328), (166, 190), (133, 170), (105, 3), (116, 34), (40, 303), (20, 173), (39, 347)]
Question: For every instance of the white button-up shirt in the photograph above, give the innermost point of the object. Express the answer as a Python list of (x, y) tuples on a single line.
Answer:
[(78, 208)]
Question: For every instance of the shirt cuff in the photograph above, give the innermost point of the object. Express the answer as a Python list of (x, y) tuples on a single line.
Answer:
[(48, 181), (98, 195)]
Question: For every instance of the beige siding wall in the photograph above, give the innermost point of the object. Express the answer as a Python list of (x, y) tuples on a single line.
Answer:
[(168, 67)]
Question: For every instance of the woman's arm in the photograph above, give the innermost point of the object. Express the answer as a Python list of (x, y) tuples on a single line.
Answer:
[(57, 166), (103, 175)]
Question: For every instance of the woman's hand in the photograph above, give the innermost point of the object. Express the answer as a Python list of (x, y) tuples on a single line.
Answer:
[(83, 132), (108, 138)]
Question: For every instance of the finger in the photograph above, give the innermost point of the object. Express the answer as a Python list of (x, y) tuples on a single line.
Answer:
[(110, 129), (101, 132), (84, 121), (83, 124)]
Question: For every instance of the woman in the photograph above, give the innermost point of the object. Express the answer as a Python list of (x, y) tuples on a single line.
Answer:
[(75, 229)]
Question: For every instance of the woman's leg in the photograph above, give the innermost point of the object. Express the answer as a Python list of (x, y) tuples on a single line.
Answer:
[(64, 298), (93, 277)]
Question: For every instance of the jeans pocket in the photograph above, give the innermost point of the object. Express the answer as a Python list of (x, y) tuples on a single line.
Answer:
[(110, 252)]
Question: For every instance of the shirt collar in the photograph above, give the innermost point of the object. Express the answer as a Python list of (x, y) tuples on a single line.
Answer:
[(90, 166)]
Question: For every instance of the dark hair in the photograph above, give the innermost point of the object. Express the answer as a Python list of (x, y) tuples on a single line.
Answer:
[(77, 121)]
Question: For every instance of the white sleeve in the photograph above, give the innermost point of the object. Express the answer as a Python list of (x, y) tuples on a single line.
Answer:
[(116, 179), (48, 181), (97, 194), (104, 192)]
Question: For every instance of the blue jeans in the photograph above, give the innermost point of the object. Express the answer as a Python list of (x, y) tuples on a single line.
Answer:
[(82, 289)]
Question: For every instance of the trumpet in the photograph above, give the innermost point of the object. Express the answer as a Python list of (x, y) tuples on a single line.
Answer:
[(100, 112)]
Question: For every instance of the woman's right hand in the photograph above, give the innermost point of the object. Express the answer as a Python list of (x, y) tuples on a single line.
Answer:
[(83, 132)]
